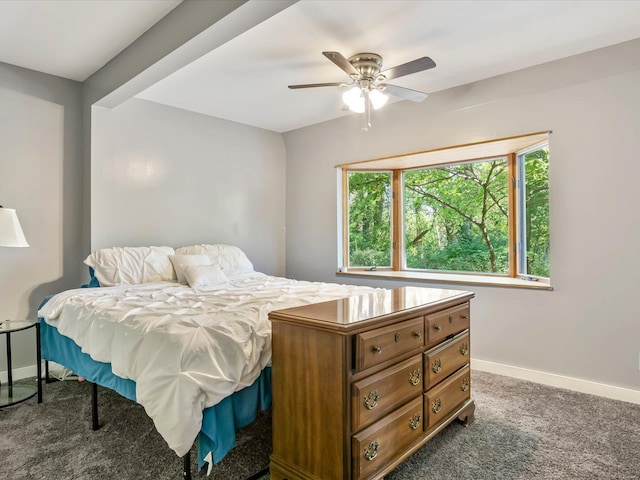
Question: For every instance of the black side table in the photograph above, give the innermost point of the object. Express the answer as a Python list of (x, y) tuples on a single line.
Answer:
[(11, 394)]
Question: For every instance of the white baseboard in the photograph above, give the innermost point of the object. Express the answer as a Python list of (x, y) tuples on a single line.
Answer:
[(30, 371), (550, 379), (55, 371), (553, 380), (19, 373)]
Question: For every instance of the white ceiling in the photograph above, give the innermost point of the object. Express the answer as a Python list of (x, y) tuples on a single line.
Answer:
[(245, 80), (73, 38)]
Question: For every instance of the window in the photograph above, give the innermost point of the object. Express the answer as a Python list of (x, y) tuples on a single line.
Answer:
[(456, 217), (486, 214), (533, 212), (369, 219)]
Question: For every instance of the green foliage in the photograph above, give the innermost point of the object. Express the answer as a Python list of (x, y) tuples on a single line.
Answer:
[(455, 217), (369, 219), (536, 190)]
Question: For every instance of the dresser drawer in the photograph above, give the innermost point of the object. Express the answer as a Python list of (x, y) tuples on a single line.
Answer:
[(447, 322), (381, 344), (441, 400), (375, 446), (374, 396), (446, 358)]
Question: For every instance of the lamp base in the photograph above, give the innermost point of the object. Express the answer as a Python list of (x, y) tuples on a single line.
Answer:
[(16, 394)]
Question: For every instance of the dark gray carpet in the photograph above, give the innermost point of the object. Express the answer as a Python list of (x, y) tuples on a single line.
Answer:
[(54, 441), (522, 431)]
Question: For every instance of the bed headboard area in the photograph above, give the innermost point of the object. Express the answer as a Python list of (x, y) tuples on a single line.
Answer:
[(196, 265)]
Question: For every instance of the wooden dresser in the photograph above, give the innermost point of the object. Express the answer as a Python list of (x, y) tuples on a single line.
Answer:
[(361, 383)]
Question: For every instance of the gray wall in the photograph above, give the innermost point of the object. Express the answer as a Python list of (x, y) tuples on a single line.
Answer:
[(165, 176), (190, 30), (587, 327), (46, 127), (186, 32), (41, 177), (46, 140)]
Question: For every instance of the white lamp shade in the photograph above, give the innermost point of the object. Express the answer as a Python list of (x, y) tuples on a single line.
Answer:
[(378, 99), (11, 234), (354, 100)]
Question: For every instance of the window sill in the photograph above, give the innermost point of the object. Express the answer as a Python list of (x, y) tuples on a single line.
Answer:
[(451, 278)]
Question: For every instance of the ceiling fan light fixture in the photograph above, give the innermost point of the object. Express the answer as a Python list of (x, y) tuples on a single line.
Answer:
[(354, 99), (378, 99), (370, 90)]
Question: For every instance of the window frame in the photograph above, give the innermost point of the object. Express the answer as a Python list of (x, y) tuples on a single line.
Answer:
[(346, 220), (403, 253), (521, 206), (399, 267)]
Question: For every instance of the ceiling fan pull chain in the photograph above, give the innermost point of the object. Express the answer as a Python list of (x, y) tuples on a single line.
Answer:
[(367, 110)]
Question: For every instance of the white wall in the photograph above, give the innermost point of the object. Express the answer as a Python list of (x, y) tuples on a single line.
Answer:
[(165, 176), (41, 177), (588, 326)]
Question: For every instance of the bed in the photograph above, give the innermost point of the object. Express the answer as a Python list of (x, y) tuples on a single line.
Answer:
[(184, 332)]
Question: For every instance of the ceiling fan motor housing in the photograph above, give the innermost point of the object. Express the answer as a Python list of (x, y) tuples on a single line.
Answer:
[(368, 64)]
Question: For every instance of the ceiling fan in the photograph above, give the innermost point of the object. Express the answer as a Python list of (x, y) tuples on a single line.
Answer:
[(369, 81)]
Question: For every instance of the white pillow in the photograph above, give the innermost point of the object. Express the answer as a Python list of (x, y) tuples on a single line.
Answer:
[(204, 276), (131, 265), (230, 259), (180, 261)]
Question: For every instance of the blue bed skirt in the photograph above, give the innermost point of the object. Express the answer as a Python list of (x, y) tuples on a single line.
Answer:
[(220, 422)]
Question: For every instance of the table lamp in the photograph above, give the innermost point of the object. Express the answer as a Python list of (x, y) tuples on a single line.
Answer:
[(11, 234)]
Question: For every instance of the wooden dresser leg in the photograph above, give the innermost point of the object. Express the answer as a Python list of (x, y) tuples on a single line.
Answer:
[(467, 416)]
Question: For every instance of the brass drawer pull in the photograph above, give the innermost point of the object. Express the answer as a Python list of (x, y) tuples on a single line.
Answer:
[(464, 384), (437, 328), (377, 349), (436, 366), (464, 316), (436, 406), (464, 348), (414, 422), (371, 400), (396, 337), (450, 318), (417, 334), (415, 377), (371, 451)]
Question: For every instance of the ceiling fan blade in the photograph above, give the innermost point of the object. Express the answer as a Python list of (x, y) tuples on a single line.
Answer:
[(342, 62), (313, 85), (406, 93), (418, 65)]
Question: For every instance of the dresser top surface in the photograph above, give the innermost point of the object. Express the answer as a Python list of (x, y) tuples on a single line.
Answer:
[(353, 311)]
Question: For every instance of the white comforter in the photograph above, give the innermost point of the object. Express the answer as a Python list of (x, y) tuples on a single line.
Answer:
[(185, 349)]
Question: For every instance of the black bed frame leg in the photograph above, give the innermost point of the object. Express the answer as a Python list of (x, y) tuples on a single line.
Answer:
[(94, 406), (186, 466)]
